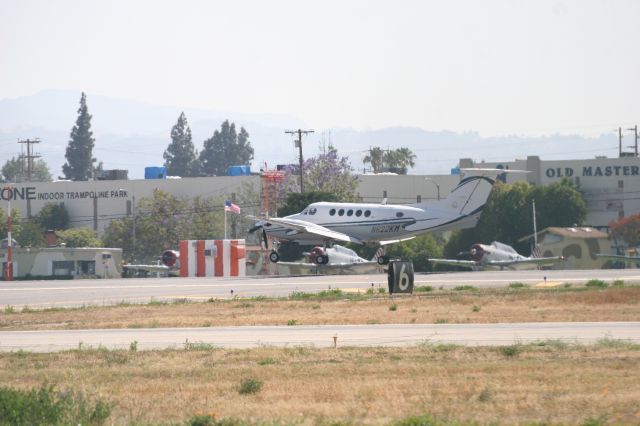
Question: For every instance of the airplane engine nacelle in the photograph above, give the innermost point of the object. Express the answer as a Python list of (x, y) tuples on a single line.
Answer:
[(170, 258), (318, 256), (476, 252)]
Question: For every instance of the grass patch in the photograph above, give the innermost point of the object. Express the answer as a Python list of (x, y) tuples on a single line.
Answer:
[(292, 322), (464, 288), (198, 346), (518, 285), (596, 284), (393, 307), (46, 406), (419, 420), (250, 386), (618, 283), (476, 308), (441, 320), (423, 289), (610, 343), (9, 309), (324, 294), (267, 361)]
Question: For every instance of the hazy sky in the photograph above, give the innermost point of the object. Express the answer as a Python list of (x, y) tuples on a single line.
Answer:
[(497, 67)]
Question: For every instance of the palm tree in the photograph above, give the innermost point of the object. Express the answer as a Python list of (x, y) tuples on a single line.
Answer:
[(375, 158)]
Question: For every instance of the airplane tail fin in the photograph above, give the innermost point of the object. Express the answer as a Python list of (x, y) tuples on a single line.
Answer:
[(470, 195)]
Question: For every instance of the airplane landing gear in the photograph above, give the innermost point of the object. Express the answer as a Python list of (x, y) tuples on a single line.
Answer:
[(383, 260), (274, 257)]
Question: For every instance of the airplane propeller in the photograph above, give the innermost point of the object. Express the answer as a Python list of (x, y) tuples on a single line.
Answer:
[(257, 226)]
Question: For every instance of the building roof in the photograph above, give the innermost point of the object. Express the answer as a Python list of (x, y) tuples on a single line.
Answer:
[(570, 232)]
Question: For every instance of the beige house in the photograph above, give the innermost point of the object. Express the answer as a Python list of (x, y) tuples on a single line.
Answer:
[(578, 245)]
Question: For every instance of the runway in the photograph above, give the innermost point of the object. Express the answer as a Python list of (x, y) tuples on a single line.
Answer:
[(320, 336), (73, 293)]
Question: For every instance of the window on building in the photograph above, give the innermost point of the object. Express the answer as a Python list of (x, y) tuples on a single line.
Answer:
[(63, 267), (87, 267)]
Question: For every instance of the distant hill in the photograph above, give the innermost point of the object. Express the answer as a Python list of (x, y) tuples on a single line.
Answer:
[(131, 135)]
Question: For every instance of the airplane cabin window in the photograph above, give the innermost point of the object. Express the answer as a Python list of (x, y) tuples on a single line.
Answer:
[(399, 214), (358, 213), (350, 212), (312, 210), (341, 212), (367, 213), (332, 212)]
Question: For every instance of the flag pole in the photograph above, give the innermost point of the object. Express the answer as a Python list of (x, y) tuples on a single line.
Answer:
[(225, 223)]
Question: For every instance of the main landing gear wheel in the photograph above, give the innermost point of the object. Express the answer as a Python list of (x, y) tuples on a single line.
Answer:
[(383, 260), (322, 259), (274, 256)]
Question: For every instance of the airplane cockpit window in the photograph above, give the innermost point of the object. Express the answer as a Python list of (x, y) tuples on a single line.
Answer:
[(399, 214), (350, 212), (358, 213), (332, 212), (313, 210), (367, 213), (304, 211), (341, 212)]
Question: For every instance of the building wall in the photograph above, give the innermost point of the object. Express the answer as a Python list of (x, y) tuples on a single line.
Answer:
[(93, 204), (97, 262)]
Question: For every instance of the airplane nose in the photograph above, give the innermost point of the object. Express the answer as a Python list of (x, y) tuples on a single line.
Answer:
[(476, 253)]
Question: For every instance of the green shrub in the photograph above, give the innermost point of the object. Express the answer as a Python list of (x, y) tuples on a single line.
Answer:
[(441, 321), (419, 420), (133, 346), (424, 288), (476, 308), (393, 307), (250, 386), (45, 406), (510, 351), (618, 283), (597, 284), (292, 322)]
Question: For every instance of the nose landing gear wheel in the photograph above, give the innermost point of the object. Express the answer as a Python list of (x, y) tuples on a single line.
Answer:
[(274, 256)]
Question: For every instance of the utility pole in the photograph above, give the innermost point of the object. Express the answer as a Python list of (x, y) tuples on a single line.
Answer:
[(619, 141), (299, 145), (30, 156), (635, 131)]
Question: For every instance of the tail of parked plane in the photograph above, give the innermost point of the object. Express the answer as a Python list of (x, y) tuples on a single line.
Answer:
[(469, 196)]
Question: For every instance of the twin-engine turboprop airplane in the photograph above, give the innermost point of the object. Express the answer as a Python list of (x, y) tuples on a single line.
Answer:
[(324, 223), (498, 255)]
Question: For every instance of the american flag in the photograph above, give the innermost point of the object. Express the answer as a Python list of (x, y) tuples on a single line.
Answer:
[(230, 207)]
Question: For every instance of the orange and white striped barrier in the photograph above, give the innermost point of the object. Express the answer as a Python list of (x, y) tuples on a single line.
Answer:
[(212, 258)]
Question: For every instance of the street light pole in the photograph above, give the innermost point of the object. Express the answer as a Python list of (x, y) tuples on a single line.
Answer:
[(436, 184)]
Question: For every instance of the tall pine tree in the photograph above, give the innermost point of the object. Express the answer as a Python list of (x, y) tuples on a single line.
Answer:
[(79, 154), (225, 148), (180, 157)]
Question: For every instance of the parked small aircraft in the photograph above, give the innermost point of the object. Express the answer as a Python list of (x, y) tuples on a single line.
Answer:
[(338, 258), (324, 223), (498, 255), (629, 261), (169, 264)]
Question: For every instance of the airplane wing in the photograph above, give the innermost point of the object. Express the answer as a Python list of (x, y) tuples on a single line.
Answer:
[(528, 261), (455, 262), (384, 243), (300, 227), (617, 257), (149, 268), (333, 268)]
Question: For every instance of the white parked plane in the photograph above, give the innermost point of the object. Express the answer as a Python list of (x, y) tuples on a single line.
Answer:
[(337, 259), (324, 223), (498, 255)]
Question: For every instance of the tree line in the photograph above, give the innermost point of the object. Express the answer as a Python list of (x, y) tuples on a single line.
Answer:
[(226, 147)]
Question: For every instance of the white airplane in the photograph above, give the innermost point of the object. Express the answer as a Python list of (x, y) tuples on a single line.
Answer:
[(337, 259), (498, 255), (324, 223)]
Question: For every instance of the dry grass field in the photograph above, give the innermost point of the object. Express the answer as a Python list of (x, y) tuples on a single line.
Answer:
[(547, 383), (469, 306), (544, 384)]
